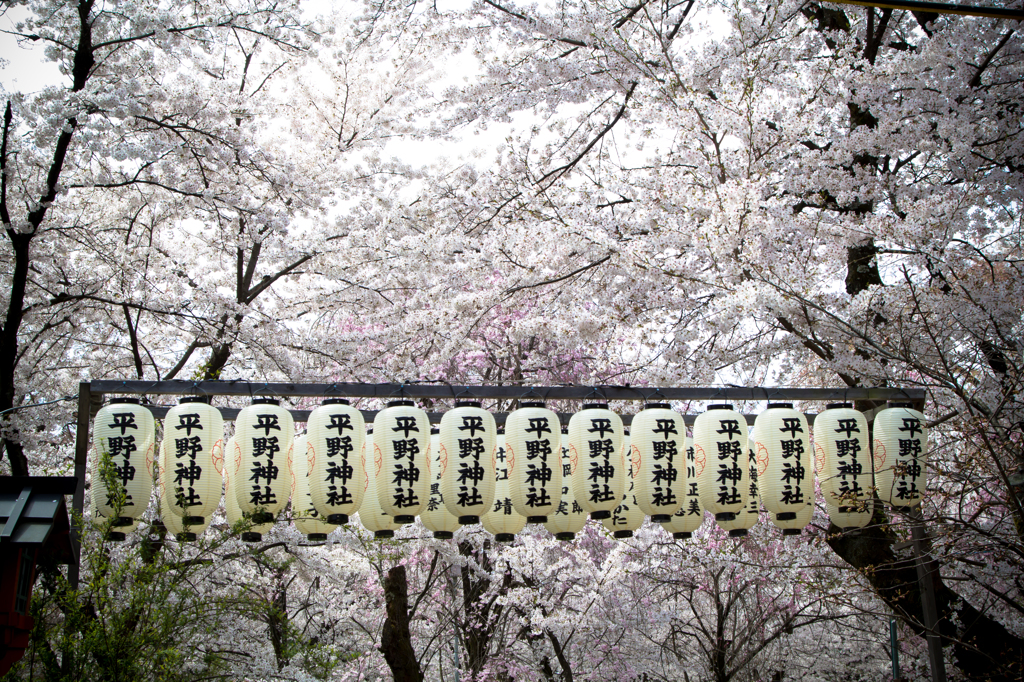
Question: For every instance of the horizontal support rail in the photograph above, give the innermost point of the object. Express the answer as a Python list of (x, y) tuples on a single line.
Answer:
[(302, 416), (446, 392)]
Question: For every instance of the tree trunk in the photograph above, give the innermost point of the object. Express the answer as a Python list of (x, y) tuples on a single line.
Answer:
[(395, 641), (982, 648)]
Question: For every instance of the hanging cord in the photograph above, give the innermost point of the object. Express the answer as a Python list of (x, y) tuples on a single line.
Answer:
[(51, 402)]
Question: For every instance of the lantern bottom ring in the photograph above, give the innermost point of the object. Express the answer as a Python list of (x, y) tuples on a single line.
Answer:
[(790, 531), (443, 535), (682, 536), (121, 521), (738, 533), (250, 536), (384, 534), (661, 518), (469, 520), (505, 537), (317, 537), (725, 516), (565, 536), (600, 515), (185, 537), (404, 518), (115, 536), (536, 519), (337, 519), (786, 516), (620, 534)]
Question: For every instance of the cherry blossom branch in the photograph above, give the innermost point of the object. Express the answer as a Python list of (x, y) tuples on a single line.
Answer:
[(509, 292), (561, 170)]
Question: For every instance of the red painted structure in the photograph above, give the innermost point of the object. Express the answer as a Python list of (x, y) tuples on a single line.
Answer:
[(34, 525)]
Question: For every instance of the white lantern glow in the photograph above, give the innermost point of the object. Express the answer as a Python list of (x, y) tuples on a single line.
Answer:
[(192, 459), (627, 517), (401, 441), (306, 518), (502, 521), (747, 517), (336, 433), (900, 449), (264, 434), (783, 454), (720, 453), (658, 454), (181, 527), (113, 533), (437, 517), (793, 526), (598, 460), (689, 517), (467, 440), (850, 517), (569, 518), (124, 451), (533, 447), (371, 516), (254, 531), (842, 455)]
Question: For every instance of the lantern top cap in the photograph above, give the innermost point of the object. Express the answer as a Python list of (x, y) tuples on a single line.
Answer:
[(595, 406), (834, 406), (468, 403), (266, 401), (205, 399), (720, 406), (533, 404), (335, 401), (907, 405), (658, 406), (402, 403), (124, 400), (787, 406)]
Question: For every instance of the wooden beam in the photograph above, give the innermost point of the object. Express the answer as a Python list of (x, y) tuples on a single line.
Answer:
[(435, 391), (940, 7)]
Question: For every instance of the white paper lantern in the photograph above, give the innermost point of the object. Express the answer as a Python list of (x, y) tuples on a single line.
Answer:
[(192, 459), (689, 517), (437, 517), (264, 435), (569, 518), (336, 433), (467, 442), (112, 533), (502, 521), (598, 460), (783, 453), (401, 441), (793, 526), (900, 449), (842, 456), (627, 517), (371, 516), (747, 517), (182, 527), (533, 447), (124, 451), (658, 447), (850, 517), (720, 442), (305, 516), (254, 531)]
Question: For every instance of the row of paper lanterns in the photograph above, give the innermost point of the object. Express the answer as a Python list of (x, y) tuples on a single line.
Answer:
[(468, 473)]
